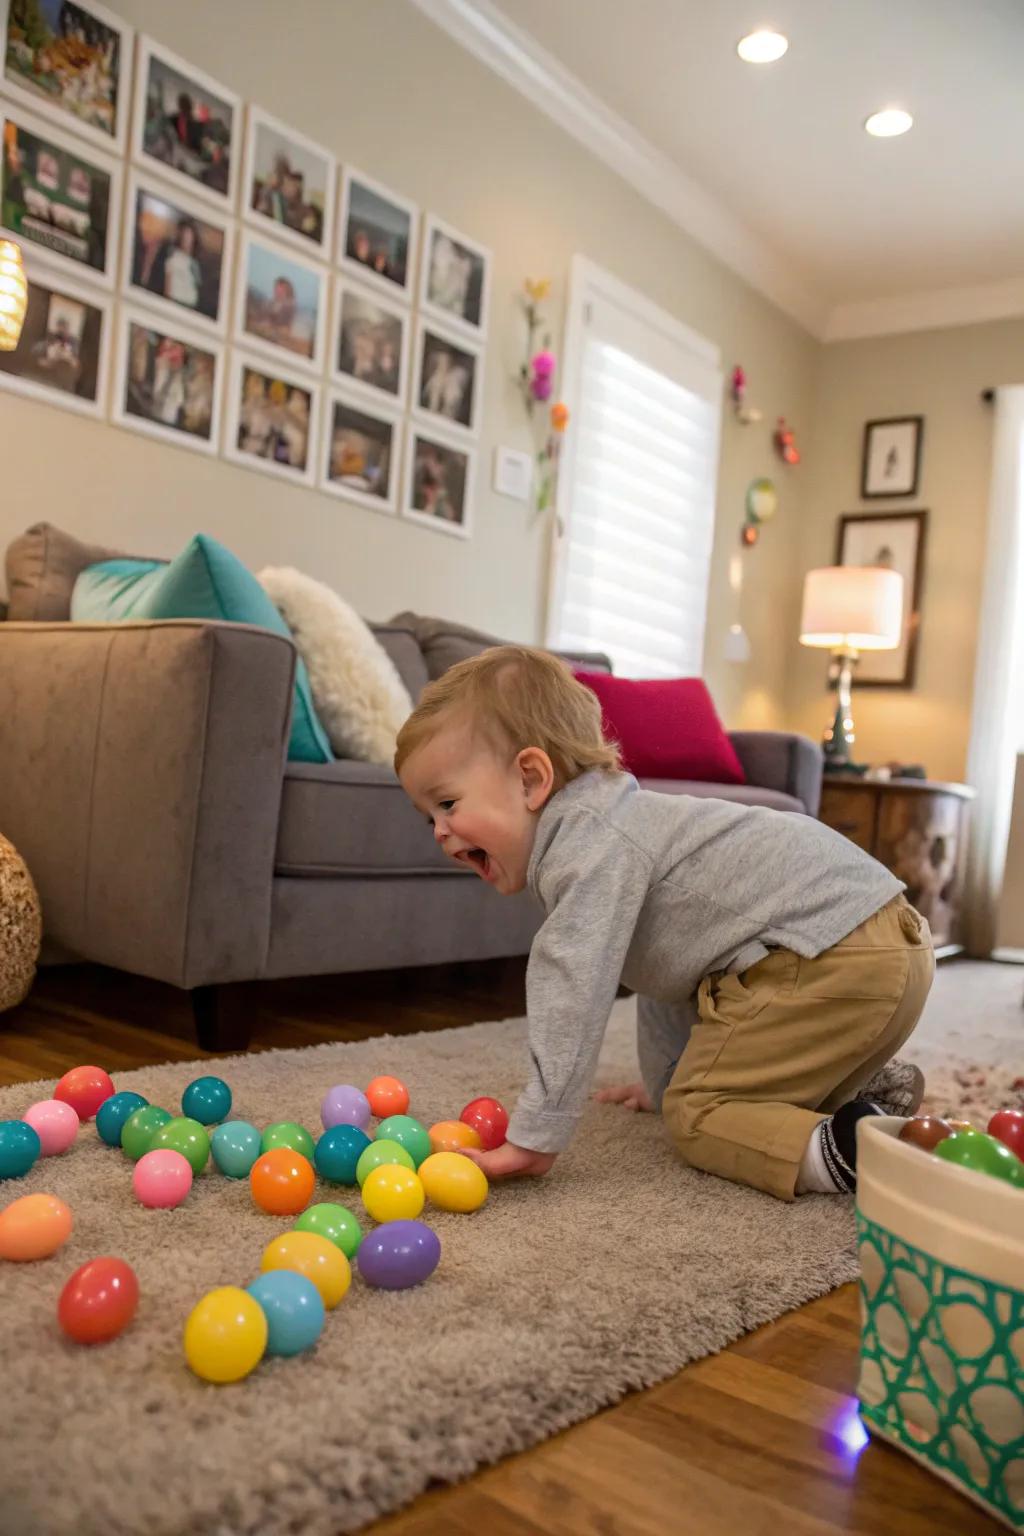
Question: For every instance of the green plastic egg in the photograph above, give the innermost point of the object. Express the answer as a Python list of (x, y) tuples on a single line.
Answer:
[(335, 1222), (287, 1133), (186, 1136), (409, 1133), (380, 1152), (139, 1129)]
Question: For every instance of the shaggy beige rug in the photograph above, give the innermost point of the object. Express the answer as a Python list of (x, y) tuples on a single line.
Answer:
[(550, 1303)]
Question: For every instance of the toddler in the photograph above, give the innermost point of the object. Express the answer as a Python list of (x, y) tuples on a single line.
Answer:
[(777, 967)]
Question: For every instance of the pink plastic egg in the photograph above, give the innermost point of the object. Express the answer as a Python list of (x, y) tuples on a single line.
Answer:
[(33, 1227), (55, 1123), (162, 1178)]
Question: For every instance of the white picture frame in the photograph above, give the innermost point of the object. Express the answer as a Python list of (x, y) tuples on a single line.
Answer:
[(266, 256), (352, 302), (363, 198), (434, 338), (15, 84), (30, 238), (453, 293), (260, 126), (360, 406), (42, 278), (180, 208), (419, 433), (130, 317), (239, 364), (151, 57)]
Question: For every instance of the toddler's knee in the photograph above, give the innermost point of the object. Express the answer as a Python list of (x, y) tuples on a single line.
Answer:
[(683, 1114)]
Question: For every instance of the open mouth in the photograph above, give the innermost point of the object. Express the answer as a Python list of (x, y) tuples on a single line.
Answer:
[(479, 860)]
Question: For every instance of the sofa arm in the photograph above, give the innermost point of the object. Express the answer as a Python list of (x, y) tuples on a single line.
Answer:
[(784, 761), (141, 770)]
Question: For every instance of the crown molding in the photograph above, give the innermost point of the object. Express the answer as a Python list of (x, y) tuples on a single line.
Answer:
[(931, 310)]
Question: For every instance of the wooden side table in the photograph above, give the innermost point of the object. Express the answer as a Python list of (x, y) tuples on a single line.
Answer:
[(916, 828)]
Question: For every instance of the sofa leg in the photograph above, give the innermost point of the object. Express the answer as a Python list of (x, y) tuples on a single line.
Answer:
[(223, 1016)]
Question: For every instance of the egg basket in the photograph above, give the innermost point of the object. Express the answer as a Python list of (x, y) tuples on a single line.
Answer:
[(942, 1316)]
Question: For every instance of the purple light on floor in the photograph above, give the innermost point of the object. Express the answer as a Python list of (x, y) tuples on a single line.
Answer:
[(848, 1429)]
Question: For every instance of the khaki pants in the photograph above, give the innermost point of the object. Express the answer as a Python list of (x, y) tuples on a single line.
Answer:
[(781, 1045)]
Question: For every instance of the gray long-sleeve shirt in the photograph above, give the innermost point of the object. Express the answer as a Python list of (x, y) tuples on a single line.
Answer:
[(657, 891)]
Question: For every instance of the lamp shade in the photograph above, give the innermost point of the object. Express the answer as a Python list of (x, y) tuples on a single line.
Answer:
[(13, 295), (856, 607)]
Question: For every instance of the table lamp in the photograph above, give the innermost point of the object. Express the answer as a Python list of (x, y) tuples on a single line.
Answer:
[(848, 609)]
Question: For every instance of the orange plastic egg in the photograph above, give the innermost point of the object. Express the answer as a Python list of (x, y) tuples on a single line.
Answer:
[(387, 1096), (33, 1227), (282, 1181), (452, 1136)]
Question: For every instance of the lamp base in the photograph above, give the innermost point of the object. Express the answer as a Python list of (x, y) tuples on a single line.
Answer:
[(839, 736)]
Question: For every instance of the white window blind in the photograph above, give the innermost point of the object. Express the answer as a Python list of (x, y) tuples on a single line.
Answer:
[(637, 498)]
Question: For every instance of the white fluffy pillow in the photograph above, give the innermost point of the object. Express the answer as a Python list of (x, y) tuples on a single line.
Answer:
[(359, 696)]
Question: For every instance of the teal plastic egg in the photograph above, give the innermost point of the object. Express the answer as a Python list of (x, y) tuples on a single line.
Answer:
[(19, 1148), (113, 1112), (235, 1147), (207, 1099)]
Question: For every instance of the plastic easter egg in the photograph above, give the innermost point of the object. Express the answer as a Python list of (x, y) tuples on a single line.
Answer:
[(345, 1105), (1007, 1126), (282, 1181), (377, 1154), (55, 1123), (114, 1113), (85, 1089), (387, 1096), (98, 1301), (925, 1131), (453, 1136), (489, 1119), (162, 1179), (33, 1227), (235, 1146), (409, 1133), (335, 1222), (309, 1254), (392, 1193), (187, 1137), (398, 1254), (288, 1133), (225, 1334), (139, 1129), (293, 1308), (453, 1182), (963, 1127), (338, 1152), (984, 1154), (19, 1148), (207, 1099)]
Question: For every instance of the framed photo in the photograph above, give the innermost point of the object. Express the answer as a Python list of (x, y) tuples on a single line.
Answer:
[(371, 343), (72, 62), (895, 540), (361, 453), (455, 278), (892, 457), (62, 353), (167, 382), (448, 378), (177, 255), (288, 185), (58, 198), (271, 420), (281, 302), (186, 124), (377, 234), (438, 482)]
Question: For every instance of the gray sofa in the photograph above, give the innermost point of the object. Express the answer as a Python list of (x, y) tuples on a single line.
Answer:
[(143, 778)]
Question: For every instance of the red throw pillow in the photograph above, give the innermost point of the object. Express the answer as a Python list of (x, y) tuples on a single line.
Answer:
[(667, 728)]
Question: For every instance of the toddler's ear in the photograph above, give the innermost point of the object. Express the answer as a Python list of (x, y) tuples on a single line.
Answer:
[(537, 775)]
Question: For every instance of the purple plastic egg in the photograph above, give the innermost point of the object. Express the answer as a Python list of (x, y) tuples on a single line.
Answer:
[(398, 1254), (345, 1105)]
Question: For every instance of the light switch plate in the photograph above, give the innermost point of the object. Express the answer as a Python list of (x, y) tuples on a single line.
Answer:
[(513, 473)]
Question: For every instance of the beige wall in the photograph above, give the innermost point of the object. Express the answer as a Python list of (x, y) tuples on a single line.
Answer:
[(939, 375), (391, 94)]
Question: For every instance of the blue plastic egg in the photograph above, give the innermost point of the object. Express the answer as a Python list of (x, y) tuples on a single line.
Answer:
[(207, 1099), (235, 1147), (113, 1112), (398, 1254), (293, 1308), (19, 1148), (338, 1151)]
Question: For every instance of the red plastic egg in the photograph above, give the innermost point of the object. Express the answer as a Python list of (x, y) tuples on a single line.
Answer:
[(1007, 1126), (926, 1131), (489, 1119), (98, 1301), (84, 1088)]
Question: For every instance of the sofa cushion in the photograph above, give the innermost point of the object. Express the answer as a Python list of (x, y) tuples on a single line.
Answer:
[(43, 564), (743, 794), (403, 648), (667, 728), (205, 581), (444, 643)]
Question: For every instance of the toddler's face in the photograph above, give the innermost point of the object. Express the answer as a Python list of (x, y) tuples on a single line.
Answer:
[(483, 810)]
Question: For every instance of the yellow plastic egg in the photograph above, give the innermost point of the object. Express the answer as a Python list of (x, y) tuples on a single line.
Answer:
[(316, 1257), (33, 1227), (452, 1136), (453, 1182), (393, 1193), (225, 1335)]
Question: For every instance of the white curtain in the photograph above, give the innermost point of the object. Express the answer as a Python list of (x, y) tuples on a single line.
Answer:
[(999, 674)]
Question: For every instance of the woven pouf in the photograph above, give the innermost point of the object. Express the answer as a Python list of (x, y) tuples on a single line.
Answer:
[(21, 927)]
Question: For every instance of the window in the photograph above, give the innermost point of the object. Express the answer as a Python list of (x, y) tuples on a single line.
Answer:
[(636, 499)]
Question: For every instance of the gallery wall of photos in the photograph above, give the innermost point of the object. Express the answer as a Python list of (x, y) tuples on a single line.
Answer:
[(206, 275)]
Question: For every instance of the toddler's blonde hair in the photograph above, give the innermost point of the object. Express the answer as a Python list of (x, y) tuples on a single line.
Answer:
[(516, 697)]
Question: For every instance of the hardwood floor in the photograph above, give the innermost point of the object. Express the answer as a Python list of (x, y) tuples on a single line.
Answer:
[(760, 1438)]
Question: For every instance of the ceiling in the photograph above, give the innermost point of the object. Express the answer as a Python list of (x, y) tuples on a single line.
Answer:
[(781, 148)]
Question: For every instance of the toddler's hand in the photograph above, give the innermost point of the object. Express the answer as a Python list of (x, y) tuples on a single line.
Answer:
[(632, 1095), (509, 1161)]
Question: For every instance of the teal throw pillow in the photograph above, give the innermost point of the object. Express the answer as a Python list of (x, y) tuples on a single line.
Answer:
[(205, 581)]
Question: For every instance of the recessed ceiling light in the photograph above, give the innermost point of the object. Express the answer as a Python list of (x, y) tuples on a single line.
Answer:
[(889, 123), (762, 47)]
